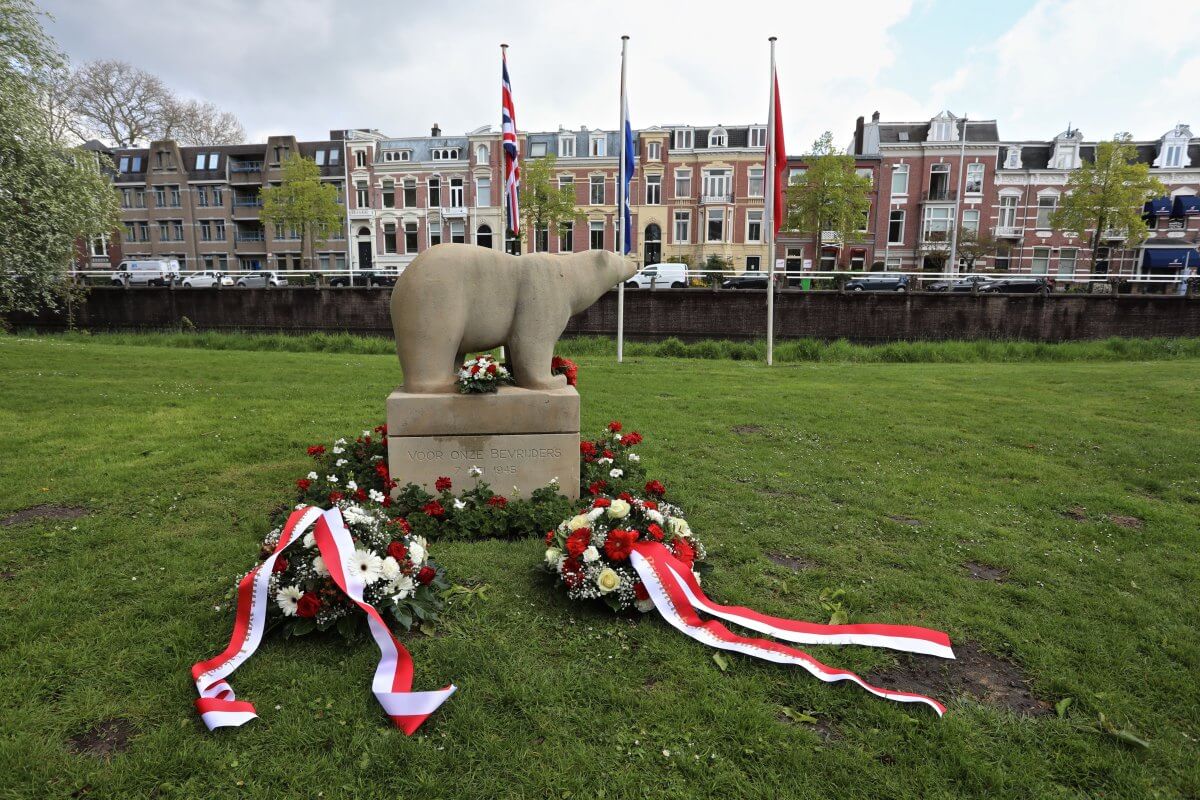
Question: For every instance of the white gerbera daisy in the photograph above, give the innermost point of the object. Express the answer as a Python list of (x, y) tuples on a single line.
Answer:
[(287, 598), (402, 587), (474, 472), (320, 568), (366, 565)]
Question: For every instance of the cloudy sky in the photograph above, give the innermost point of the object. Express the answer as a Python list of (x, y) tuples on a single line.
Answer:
[(305, 66)]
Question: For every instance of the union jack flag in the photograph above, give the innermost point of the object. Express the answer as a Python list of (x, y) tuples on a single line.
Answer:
[(512, 169)]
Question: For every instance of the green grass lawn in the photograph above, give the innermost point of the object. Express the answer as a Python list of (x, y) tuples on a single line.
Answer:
[(1081, 480)]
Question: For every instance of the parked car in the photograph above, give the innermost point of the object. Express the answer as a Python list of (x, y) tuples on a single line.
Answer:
[(207, 279), (1024, 285), (660, 276), (364, 279), (261, 280), (879, 282), (958, 285), (151, 272), (747, 280)]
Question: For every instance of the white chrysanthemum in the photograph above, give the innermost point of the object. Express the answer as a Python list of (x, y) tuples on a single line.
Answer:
[(376, 495), (401, 588), (337, 451), (604, 461), (357, 515), (331, 478), (553, 556), (654, 516), (577, 522), (320, 568), (312, 476), (341, 462), (591, 554), (391, 569), (352, 485), (616, 473), (287, 598), (459, 505), (366, 565), (595, 514), (616, 437), (608, 580), (634, 457), (474, 472), (416, 550), (618, 509)]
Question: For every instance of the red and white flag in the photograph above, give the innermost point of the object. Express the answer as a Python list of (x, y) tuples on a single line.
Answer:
[(508, 131), (776, 156)]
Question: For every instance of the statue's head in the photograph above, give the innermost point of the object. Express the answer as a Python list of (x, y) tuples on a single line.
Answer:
[(613, 268)]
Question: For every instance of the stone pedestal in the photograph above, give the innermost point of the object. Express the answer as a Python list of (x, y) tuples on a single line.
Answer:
[(518, 437)]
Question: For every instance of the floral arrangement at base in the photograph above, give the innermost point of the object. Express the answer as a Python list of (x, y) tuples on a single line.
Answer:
[(392, 562), (589, 553), (481, 375), (565, 366), (608, 465)]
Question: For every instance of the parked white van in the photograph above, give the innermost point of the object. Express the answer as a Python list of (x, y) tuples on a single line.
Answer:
[(660, 276), (154, 272)]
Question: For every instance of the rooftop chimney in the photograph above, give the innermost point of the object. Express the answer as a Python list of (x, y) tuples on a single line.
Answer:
[(875, 117), (858, 136), (435, 130)]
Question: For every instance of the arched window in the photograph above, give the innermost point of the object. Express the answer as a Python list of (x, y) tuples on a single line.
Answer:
[(717, 137), (483, 236), (364, 233), (481, 154)]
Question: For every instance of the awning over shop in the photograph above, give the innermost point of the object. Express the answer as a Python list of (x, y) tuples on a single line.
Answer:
[(1171, 258), (1186, 205), (1159, 207)]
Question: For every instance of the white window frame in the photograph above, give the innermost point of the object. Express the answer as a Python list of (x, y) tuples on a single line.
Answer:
[(483, 191), (481, 153), (684, 139), (1007, 208), (537, 149), (458, 193), (654, 190), (758, 136), (1034, 258), (903, 218), (718, 138), (433, 229), (598, 145), (594, 226), (900, 174), (754, 218), (1064, 259), (970, 213), (974, 168), (566, 146), (595, 181), (683, 174), (684, 217), (710, 217), (755, 175), (1037, 220), (654, 151), (360, 159)]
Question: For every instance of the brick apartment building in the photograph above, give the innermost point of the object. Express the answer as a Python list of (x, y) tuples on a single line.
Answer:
[(941, 177), (202, 205)]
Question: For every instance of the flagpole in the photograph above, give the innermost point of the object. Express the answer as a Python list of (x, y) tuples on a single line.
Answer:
[(769, 216), (621, 210), (502, 184)]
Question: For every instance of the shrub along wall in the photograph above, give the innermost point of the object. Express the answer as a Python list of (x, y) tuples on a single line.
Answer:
[(689, 314)]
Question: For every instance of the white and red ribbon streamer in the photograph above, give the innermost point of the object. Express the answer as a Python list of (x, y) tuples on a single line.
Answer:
[(677, 596), (392, 685)]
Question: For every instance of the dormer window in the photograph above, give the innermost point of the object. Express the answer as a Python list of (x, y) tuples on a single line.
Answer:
[(1066, 150), (758, 137), (397, 155), (684, 139), (537, 149), (445, 154), (942, 128), (598, 146), (717, 137), (1012, 157), (1172, 151), (566, 146)]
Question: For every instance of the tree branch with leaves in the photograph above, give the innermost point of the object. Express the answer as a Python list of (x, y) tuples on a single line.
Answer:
[(545, 204), (304, 203), (829, 196)]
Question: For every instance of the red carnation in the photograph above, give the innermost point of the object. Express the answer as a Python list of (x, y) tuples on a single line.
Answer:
[(308, 605), (387, 501), (655, 532), (549, 538), (588, 449), (335, 497), (316, 450), (683, 550), (397, 550), (601, 502), (497, 501), (619, 544), (639, 591), (608, 453), (565, 366), (360, 494), (578, 541), (402, 524), (381, 469), (598, 487), (650, 504), (434, 509), (614, 426), (381, 429), (443, 484), (626, 496), (630, 439), (281, 565), (572, 572), (655, 488), (426, 575), (303, 484), (491, 369)]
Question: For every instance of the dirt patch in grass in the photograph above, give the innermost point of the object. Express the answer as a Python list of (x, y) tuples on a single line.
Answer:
[(903, 520), (7, 576), (985, 572), (975, 672), (103, 739), (1077, 513), (746, 430), (43, 511), (794, 563), (1126, 522)]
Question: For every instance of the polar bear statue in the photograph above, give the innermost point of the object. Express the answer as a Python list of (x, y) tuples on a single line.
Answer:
[(456, 299)]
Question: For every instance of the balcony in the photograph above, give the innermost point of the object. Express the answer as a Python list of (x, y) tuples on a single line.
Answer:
[(715, 199), (249, 236), (362, 213), (1008, 232), (831, 237), (454, 212), (939, 195), (245, 166), (1114, 235)]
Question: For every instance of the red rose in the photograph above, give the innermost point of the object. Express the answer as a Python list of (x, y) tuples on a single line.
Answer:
[(303, 484), (433, 508), (572, 572), (426, 575), (443, 484), (683, 550), (598, 487), (655, 488), (601, 502), (614, 426), (281, 565), (397, 550), (360, 495), (578, 541), (626, 496), (549, 538), (588, 449), (316, 450), (655, 532), (491, 369), (619, 544), (335, 496), (631, 439), (402, 524), (497, 501), (639, 591), (308, 605)]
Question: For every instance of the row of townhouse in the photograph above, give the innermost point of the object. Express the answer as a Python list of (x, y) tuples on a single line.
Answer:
[(697, 193)]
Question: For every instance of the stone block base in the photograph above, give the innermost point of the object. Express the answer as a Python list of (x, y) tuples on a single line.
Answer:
[(520, 438)]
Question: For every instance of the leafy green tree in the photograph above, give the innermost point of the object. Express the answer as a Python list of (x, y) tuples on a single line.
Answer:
[(975, 244), (303, 202), (51, 196), (1108, 193), (829, 196), (545, 204)]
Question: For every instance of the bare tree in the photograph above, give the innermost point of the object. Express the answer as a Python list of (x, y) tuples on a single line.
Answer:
[(120, 102), (192, 122), (57, 102)]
